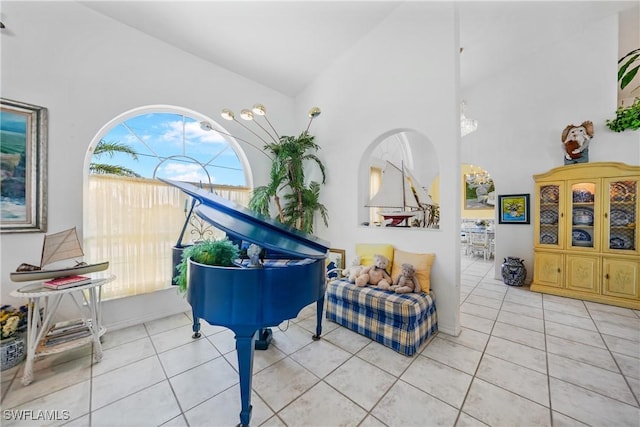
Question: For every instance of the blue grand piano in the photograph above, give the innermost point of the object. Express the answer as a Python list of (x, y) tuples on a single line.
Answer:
[(247, 299)]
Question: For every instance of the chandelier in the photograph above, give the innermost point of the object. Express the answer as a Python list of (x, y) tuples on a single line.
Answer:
[(466, 125)]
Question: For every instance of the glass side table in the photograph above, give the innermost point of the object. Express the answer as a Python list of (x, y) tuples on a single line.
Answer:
[(43, 305)]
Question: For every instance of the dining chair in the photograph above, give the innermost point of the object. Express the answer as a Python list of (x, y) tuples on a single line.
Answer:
[(465, 242), (479, 244)]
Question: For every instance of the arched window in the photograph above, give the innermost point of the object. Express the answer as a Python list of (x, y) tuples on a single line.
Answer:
[(132, 219)]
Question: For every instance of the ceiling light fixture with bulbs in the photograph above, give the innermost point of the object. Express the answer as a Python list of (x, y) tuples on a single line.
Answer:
[(249, 115)]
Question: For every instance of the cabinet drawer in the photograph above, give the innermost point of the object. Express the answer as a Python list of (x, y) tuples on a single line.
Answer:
[(621, 278)]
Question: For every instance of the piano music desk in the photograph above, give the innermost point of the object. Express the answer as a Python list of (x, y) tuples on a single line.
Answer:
[(402, 322)]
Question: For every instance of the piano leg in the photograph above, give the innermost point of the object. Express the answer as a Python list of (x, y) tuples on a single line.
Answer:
[(245, 344), (319, 310), (196, 325)]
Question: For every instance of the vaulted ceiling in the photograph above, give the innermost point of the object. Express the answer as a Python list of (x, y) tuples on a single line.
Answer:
[(286, 44)]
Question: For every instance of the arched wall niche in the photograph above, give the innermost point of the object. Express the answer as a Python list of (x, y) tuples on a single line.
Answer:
[(402, 146)]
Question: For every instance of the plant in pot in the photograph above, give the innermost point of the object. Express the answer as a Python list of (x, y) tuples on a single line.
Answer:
[(221, 253), (627, 116), (13, 323), (296, 202), (288, 193)]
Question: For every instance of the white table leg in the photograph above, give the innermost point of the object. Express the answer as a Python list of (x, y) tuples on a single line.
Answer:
[(32, 334), (96, 327)]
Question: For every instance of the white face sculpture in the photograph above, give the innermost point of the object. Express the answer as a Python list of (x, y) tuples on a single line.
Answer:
[(578, 134)]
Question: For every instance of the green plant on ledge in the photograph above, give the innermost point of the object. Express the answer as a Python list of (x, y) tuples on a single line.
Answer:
[(626, 118), (220, 253)]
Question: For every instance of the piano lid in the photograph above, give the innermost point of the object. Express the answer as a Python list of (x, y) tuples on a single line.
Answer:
[(243, 223)]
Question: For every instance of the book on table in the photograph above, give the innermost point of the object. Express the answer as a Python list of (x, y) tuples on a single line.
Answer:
[(66, 282)]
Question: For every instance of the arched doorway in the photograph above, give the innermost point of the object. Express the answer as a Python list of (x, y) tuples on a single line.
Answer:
[(478, 211)]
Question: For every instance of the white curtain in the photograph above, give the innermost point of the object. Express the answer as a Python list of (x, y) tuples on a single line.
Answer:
[(133, 223)]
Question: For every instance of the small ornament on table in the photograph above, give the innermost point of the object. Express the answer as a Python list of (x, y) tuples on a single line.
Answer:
[(253, 252)]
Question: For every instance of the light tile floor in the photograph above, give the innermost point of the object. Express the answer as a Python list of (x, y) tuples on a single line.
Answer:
[(522, 359)]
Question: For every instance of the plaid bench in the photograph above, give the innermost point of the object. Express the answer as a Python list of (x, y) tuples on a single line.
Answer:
[(402, 322)]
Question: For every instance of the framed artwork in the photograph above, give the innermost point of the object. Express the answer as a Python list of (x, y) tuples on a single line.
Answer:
[(478, 192), (337, 257), (23, 155), (513, 209)]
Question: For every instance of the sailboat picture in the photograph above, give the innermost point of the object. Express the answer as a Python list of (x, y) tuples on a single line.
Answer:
[(56, 247), (401, 196)]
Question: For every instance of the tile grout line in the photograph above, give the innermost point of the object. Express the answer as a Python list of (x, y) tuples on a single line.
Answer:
[(473, 377), (624, 377)]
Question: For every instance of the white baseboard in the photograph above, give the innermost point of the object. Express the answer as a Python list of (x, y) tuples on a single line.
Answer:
[(130, 311)]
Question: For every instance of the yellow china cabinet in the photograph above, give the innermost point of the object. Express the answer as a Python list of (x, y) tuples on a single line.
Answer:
[(587, 239)]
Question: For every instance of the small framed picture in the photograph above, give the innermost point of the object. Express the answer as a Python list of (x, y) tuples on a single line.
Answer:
[(513, 209), (337, 257)]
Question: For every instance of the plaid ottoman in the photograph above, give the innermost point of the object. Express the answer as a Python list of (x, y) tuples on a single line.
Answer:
[(402, 322)]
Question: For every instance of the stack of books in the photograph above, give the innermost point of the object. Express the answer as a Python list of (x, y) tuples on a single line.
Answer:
[(66, 282), (63, 332)]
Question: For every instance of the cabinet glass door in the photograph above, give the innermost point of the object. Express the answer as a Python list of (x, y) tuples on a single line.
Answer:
[(549, 222), (583, 214), (623, 215)]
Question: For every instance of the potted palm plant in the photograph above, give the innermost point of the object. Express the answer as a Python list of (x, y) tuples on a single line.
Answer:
[(295, 201)]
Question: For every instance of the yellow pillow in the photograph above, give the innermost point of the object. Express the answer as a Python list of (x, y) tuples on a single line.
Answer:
[(366, 251), (421, 262)]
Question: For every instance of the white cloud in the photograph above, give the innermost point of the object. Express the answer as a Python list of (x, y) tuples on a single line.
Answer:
[(192, 132), (184, 172)]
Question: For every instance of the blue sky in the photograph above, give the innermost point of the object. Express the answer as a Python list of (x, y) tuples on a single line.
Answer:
[(157, 136)]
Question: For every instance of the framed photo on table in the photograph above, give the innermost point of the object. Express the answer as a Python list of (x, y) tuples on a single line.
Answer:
[(337, 257), (23, 131), (513, 209)]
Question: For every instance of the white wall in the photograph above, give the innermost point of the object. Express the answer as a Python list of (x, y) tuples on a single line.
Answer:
[(87, 69), (402, 75), (523, 109)]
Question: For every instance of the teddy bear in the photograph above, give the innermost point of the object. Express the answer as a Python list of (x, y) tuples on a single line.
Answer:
[(375, 274), (407, 281), (353, 270), (575, 140)]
